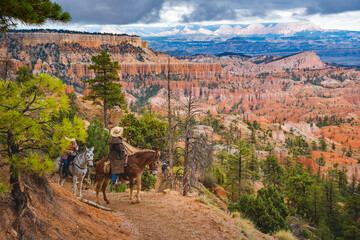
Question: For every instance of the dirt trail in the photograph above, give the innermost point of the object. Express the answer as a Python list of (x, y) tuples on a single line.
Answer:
[(172, 216)]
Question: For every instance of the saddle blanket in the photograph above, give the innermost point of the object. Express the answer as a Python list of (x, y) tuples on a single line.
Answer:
[(107, 165)]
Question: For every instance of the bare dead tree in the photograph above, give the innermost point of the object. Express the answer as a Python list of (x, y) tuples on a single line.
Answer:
[(171, 129), (196, 148), (200, 160)]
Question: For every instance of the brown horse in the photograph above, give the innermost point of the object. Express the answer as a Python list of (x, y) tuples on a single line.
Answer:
[(133, 171)]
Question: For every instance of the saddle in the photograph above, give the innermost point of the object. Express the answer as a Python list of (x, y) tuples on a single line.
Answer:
[(107, 165)]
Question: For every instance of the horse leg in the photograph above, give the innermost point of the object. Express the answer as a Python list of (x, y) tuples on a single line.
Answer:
[(104, 186), (98, 185), (138, 189), (58, 179), (132, 182), (62, 180), (75, 184), (81, 183)]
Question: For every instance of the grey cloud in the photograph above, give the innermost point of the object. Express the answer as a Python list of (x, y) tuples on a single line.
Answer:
[(147, 11), (112, 11), (333, 6), (207, 12)]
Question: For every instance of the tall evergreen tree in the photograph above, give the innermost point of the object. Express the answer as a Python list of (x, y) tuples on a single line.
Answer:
[(30, 12), (273, 171), (240, 157), (105, 86)]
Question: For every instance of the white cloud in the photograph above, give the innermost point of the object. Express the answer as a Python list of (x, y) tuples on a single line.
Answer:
[(175, 13), (345, 21)]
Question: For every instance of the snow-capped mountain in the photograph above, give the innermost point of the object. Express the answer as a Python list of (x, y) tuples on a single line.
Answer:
[(338, 46), (218, 30)]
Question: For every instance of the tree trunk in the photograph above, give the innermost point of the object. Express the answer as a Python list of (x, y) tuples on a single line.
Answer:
[(186, 165), (240, 173), (170, 144), (105, 114), (19, 196), (186, 180)]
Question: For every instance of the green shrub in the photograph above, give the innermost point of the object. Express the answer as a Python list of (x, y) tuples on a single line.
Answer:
[(209, 180), (98, 138), (267, 210), (3, 188), (148, 181), (220, 176), (120, 188)]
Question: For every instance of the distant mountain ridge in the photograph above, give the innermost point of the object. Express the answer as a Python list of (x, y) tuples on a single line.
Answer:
[(338, 46), (219, 30), (234, 30), (242, 64)]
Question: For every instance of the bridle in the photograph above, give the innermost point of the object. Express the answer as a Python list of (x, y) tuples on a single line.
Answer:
[(87, 160), (152, 161)]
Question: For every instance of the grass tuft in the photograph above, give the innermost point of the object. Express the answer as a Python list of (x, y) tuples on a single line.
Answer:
[(284, 235)]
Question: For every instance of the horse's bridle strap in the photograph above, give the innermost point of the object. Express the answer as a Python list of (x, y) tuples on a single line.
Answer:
[(82, 168)]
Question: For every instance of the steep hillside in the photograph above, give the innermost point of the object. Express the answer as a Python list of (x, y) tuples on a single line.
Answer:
[(55, 213)]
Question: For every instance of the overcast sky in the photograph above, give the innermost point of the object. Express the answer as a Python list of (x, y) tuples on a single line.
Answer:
[(329, 14)]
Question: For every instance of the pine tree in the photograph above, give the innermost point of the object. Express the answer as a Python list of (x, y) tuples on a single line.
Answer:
[(297, 192), (268, 210), (323, 144), (105, 86), (30, 12), (242, 155), (30, 133), (321, 162), (98, 137), (273, 171), (146, 132)]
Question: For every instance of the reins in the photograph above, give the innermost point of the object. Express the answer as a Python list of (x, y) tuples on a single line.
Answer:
[(146, 163), (82, 168)]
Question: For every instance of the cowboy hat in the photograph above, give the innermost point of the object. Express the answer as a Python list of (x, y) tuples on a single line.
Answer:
[(117, 131)]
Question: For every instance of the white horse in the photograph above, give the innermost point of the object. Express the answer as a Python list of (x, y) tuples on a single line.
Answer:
[(77, 168)]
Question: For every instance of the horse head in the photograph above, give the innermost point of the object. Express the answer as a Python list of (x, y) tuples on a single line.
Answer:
[(89, 156), (155, 162)]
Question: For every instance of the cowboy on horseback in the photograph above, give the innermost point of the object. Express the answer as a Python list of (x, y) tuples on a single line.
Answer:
[(117, 153), (69, 156)]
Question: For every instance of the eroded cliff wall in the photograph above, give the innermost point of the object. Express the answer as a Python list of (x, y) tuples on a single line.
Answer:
[(68, 55)]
